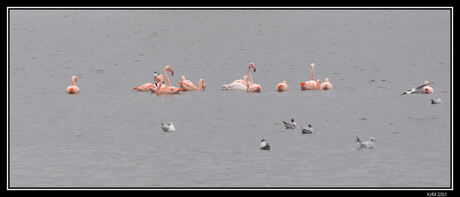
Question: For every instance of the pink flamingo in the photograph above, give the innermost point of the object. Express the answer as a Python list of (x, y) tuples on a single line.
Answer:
[(282, 87), (73, 89), (252, 87), (312, 84), (168, 68), (326, 85), (161, 89), (239, 84), (148, 86), (187, 85)]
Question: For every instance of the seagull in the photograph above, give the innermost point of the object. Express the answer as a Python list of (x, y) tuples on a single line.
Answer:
[(307, 130), (366, 144), (264, 145), (437, 101), (167, 126), (291, 125), (422, 89)]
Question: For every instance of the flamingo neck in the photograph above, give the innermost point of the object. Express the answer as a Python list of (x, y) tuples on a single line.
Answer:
[(166, 74), (250, 82), (312, 72), (74, 81)]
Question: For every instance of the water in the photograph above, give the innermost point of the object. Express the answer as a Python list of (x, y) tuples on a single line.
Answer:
[(110, 136)]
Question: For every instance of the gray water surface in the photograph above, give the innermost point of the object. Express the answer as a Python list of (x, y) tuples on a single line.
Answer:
[(110, 136)]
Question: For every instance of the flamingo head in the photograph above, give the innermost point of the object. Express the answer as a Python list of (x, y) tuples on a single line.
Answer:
[(253, 66), (327, 79), (159, 79), (74, 79), (168, 68), (202, 83), (284, 81), (182, 78)]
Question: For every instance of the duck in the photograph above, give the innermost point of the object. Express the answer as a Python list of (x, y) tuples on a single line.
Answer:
[(264, 145), (290, 125), (167, 127), (366, 144), (307, 129), (437, 101)]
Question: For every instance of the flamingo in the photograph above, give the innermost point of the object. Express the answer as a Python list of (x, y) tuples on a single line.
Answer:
[(312, 84), (73, 89), (425, 88), (239, 84), (326, 85), (282, 87), (166, 89), (187, 85), (148, 86), (252, 87)]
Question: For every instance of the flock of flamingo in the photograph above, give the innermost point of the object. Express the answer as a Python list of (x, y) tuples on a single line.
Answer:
[(246, 84)]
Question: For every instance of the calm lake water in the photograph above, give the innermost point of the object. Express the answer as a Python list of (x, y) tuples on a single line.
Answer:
[(110, 136)]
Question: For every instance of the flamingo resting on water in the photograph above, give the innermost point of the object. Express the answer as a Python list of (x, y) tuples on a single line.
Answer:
[(326, 85), (73, 89), (282, 87), (239, 84), (252, 87), (149, 86), (312, 84), (162, 89), (187, 85)]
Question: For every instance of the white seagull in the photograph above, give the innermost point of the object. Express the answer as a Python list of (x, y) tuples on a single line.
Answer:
[(366, 144), (167, 127), (425, 88), (290, 125), (264, 145), (307, 130), (437, 101)]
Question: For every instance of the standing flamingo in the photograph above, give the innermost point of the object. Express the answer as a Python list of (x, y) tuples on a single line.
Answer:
[(312, 84), (282, 87), (161, 89), (252, 87), (148, 86), (326, 85), (73, 89), (187, 85), (239, 84)]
